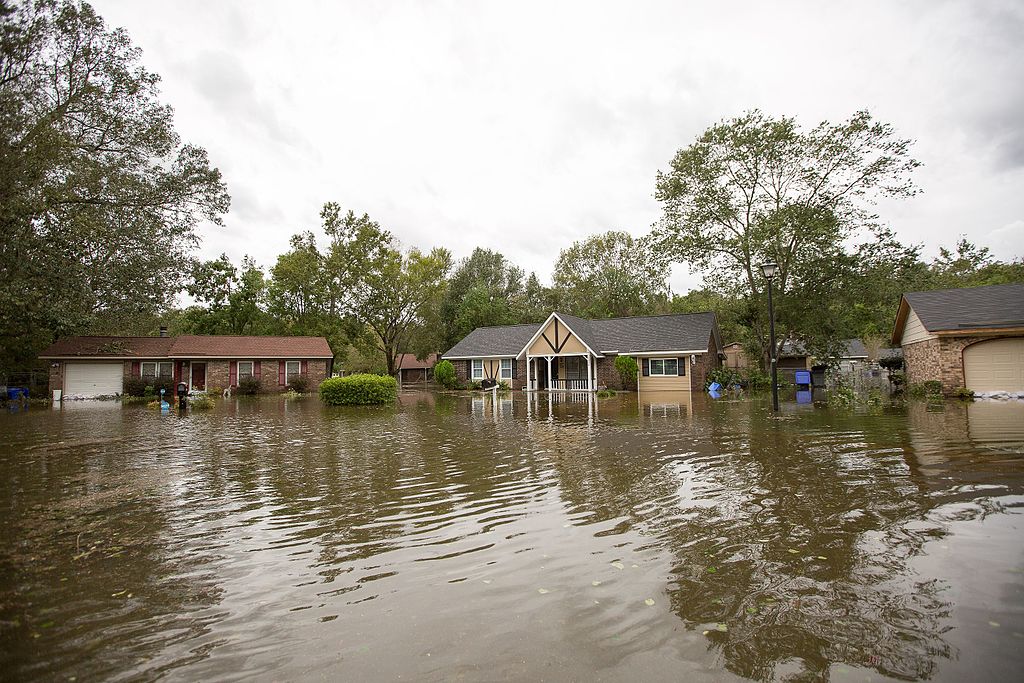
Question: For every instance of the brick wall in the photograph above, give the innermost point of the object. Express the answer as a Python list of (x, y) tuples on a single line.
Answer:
[(940, 359), (699, 371), (608, 375)]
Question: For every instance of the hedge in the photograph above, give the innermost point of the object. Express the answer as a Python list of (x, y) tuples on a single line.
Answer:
[(444, 372), (359, 390)]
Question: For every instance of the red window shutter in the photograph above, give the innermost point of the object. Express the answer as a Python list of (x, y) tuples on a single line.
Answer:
[(280, 372), (303, 366), (256, 366), (233, 373), (136, 369)]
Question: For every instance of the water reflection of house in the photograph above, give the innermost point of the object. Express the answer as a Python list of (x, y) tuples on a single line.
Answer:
[(666, 404), (942, 434)]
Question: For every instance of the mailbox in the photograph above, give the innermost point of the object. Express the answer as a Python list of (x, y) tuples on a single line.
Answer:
[(182, 394)]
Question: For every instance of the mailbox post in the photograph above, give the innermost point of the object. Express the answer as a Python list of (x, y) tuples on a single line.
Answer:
[(182, 395)]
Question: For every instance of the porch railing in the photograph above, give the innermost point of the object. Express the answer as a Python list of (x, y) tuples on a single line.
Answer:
[(569, 385)]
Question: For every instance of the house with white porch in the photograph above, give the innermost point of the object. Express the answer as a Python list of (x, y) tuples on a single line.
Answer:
[(566, 353)]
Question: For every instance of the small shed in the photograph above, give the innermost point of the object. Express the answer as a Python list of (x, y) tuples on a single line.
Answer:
[(412, 370)]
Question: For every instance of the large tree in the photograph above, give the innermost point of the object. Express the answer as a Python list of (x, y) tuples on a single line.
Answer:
[(611, 275), (756, 188), (99, 197), (485, 289), (231, 300)]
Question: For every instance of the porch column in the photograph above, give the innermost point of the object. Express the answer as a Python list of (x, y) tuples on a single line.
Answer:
[(528, 386), (590, 376), (549, 372)]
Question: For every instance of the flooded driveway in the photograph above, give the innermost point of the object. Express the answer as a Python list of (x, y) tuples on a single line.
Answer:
[(458, 538)]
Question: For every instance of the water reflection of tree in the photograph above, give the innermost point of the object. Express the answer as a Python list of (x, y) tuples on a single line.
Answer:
[(791, 533)]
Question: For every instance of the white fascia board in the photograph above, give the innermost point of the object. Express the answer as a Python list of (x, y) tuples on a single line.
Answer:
[(661, 353), (540, 331)]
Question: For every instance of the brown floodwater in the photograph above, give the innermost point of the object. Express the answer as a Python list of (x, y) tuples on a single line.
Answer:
[(453, 537)]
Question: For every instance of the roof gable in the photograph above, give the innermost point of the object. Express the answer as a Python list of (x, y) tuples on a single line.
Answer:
[(967, 308)]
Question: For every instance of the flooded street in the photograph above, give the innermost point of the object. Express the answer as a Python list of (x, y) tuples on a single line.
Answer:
[(453, 537)]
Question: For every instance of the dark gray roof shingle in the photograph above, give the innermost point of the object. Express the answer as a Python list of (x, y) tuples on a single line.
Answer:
[(676, 332), (969, 308)]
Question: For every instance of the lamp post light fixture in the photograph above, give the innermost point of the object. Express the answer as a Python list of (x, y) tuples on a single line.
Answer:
[(769, 270)]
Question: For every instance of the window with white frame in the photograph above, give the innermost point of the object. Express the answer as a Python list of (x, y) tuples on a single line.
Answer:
[(292, 368), (575, 367), (664, 367), (244, 370), (506, 368), (478, 369), (154, 369)]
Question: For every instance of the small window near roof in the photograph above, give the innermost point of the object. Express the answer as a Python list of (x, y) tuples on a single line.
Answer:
[(478, 369), (292, 368), (506, 368), (244, 369)]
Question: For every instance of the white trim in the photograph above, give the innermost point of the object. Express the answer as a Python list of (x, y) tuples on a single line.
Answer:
[(501, 370), (238, 369), (297, 372), (540, 331), (662, 353), (191, 356), (472, 369), (498, 357), (650, 367)]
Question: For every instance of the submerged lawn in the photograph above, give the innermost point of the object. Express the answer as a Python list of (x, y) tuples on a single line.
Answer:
[(454, 536)]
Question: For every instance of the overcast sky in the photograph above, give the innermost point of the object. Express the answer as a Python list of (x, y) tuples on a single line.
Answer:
[(522, 127)]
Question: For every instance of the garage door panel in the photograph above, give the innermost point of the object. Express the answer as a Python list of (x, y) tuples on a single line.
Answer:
[(93, 379), (996, 365)]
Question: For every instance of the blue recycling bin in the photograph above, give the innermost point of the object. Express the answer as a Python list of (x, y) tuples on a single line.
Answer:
[(16, 393), (802, 378)]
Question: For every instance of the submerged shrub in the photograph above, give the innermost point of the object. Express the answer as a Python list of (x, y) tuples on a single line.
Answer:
[(135, 386), (444, 373), (627, 369), (359, 390), (299, 384), (201, 402), (248, 386)]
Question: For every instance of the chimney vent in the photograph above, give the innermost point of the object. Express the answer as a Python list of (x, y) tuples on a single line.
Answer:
[(163, 330)]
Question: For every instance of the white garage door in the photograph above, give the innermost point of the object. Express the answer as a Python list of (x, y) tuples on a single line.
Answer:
[(996, 365), (93, 379)]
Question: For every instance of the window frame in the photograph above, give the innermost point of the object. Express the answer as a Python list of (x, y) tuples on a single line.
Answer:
[(288, 374), (473, 369), (238, 370), (502, 370), (157, 369), (661, 364)]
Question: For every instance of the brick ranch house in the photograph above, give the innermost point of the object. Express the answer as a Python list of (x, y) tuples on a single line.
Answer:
[(99, 366), (566, 353), (964, 338)]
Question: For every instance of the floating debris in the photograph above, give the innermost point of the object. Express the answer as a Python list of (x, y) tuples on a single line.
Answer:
[(595, 583), (618, 565), (649, 602), (543, 591)]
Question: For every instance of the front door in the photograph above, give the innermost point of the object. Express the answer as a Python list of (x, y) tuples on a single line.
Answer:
[(199, 376)]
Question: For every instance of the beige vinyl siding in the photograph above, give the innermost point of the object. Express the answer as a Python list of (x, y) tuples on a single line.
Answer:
[(492, 370), (572, 344), (664, 383), (913, 330)]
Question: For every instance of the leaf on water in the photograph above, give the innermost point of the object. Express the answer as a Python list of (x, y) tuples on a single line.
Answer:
[(618, 565), (487, 581), (751, 610), (711, 570), (649, 602), (543, 591), (706, 632), (722, 627), (595, 583), (791, 551), (636, 566), (822, 557), (994, 624)]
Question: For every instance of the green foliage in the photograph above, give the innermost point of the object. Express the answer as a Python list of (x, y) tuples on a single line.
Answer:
[(756, 189), (611, 275), (964, 394), (299, 384), (232, 299), (485, 289), (359, 390), (135, 386), (891, 363), (249, 386), (930, 388), (100, 197), (444, 374), (627, 368), (606, 393), (201, 401), (756, 379), (897, 378), (842, 396), (475, 386), (753, 379), (727, 377)]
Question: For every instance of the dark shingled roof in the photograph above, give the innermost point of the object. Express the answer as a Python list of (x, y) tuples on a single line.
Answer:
[(677, 332), (969, 308), (209, 346)]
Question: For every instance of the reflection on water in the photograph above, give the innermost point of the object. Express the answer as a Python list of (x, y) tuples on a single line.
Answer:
[(650, 537)]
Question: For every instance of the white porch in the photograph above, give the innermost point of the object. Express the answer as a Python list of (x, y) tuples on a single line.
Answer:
[(566, 372)]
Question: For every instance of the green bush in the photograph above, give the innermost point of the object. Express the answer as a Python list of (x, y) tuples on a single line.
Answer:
[(727, 377), (201, 402), (606, 393), (299, 384), (891, 363), (444, 373), (756, 379), (248, 386), (627, 368), (167, 384), (931, 388), (135, 386), (964, 394), (359, 390)]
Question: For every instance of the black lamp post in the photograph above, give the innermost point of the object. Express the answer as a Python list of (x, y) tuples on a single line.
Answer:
[(769, 270)]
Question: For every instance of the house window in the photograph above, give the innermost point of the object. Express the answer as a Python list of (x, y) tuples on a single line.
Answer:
[(478, 369), (575, 368), (163, 370), (664, 367), (292, 368), (244, 370), (506, 368)]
